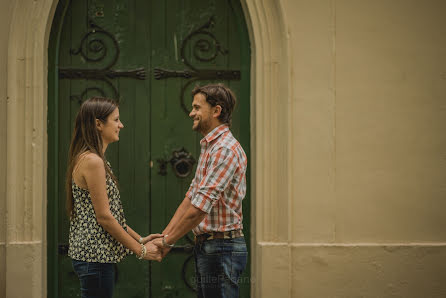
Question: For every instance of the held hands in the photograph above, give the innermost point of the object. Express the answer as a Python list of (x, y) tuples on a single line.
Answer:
[(160, 245), (155, 248), (152, 252), (151, 237)]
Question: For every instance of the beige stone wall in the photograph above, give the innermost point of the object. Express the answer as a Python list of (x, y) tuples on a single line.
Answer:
[(391, 121), (5, 19), (368, 151)]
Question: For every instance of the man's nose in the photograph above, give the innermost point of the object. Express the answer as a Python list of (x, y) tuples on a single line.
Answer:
[(191, 114)]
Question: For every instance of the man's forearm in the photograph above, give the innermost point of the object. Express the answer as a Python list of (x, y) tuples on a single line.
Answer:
[(177, 216), (190, 219)]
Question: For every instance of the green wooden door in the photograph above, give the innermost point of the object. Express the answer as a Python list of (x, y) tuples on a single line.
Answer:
[(149, 55)]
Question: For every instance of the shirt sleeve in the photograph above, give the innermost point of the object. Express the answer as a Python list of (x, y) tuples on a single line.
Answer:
[(221, 167), (189, 192)]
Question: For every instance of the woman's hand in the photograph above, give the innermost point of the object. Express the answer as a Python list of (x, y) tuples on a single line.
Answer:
[(159, 243), (151, 237), (153, 252)]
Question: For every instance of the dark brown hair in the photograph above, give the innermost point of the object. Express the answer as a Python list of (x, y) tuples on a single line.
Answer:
[(86, 137), (218, 94)]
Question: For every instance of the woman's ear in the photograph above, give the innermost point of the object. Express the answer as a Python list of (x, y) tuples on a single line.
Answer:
[(99, 124)]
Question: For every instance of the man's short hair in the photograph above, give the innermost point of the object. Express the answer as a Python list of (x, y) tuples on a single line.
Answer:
[(218, 94)]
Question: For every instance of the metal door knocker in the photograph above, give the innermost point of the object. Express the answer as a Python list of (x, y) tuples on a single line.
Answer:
[(182, 163)]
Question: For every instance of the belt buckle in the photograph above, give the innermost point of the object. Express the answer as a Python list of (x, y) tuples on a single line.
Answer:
[(227, 235), (203, 237)]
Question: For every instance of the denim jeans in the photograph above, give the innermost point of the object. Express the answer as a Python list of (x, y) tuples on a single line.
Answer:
[(97, 279), (218, 266)]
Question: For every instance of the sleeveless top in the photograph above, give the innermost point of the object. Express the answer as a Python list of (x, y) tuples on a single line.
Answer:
[(88, 241)]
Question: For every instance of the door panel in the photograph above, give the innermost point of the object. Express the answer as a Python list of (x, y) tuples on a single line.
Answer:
[(149, 55)]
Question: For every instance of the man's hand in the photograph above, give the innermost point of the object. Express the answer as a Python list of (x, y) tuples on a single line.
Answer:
[(151, 237), (165, 251), (159, 243), (153, 252)]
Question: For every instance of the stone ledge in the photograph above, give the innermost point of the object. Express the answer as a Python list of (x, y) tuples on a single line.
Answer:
[(350, 269), (368, 270), (24, 264), (2, 271), (359, 244), (272, 276)]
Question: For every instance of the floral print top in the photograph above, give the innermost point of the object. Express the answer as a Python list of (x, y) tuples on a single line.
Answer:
[(88, 241)]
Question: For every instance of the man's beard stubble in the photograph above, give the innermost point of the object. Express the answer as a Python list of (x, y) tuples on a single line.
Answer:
[(202, 126)]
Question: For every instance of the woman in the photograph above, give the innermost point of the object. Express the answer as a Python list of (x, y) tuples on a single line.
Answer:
[(99, 236)]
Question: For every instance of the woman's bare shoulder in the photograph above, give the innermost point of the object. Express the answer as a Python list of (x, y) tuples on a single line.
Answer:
[(89, 160), (93, 160)]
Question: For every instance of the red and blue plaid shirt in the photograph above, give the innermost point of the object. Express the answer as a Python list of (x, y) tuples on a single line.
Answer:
[(219, 185)]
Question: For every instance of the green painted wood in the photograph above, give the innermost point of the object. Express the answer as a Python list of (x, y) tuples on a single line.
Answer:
[(134, 145), (68, 282), (53, 154), (149, 35), (168, 191), (192, 14)]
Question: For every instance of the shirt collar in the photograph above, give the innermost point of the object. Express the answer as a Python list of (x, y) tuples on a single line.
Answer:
[(215, 133)]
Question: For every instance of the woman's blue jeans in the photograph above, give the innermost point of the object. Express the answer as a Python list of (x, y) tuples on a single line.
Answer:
[(97, 279), (219, 264)]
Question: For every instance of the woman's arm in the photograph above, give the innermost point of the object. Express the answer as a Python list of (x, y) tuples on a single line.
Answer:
[(94, 174), (132, 233), (144, 240)]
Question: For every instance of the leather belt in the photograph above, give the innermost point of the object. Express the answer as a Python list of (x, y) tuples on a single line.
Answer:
[(218, 235)]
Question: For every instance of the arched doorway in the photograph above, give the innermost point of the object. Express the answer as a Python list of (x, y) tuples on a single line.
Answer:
[(147, 54)]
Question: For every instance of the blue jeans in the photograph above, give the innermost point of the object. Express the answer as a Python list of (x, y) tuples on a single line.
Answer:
[(218, 266), (97, 279)]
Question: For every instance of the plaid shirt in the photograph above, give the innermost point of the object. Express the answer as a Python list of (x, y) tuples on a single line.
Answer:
[(219, 185)]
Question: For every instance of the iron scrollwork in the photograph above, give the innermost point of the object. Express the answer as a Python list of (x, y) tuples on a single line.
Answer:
[(93, 48), (205, 49)]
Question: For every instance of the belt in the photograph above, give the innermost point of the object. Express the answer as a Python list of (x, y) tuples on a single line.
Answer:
[(218, 235)]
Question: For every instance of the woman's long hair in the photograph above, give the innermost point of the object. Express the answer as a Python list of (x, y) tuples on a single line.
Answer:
[(86, 137)]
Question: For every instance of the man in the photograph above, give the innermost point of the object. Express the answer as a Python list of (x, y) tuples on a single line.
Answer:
[(213, 204)]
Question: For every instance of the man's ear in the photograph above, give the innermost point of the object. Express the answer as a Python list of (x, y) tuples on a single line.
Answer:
[(99, 124), (217, 111)]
